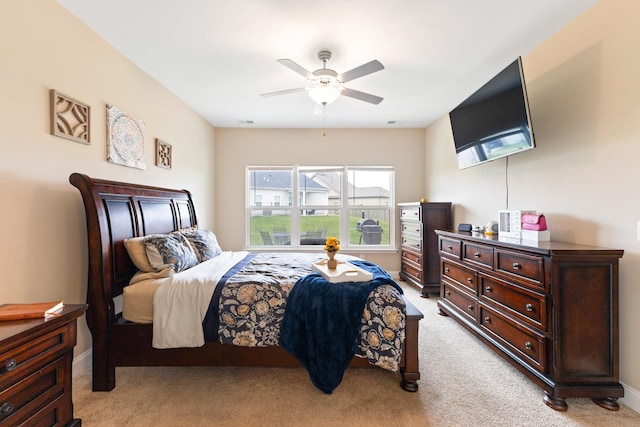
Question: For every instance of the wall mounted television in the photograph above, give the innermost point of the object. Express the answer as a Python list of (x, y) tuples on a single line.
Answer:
[(494, 122)]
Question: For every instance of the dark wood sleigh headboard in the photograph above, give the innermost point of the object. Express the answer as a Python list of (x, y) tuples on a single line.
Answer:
[(116, 211)]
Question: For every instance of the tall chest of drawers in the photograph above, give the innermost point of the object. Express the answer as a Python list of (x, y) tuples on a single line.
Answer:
[(549, 308), (35, 369), (419, 251)]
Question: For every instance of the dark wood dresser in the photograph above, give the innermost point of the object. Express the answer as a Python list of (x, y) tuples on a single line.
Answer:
[(35, 369), (549, 308), (419, 252)]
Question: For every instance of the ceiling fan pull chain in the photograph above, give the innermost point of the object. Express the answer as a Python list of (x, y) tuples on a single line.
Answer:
[(324, 120)]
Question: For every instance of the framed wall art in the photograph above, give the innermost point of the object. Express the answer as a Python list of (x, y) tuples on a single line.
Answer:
[(163, 154), (125, 139), (70, 118)]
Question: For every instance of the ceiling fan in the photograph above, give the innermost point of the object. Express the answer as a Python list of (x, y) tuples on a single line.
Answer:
[(327, 85)]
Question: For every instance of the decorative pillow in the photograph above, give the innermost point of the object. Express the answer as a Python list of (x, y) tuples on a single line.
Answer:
[(170, 250), (138, 254), (204, 243)]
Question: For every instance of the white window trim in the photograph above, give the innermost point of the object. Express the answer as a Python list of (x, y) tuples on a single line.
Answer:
[(343, 207)]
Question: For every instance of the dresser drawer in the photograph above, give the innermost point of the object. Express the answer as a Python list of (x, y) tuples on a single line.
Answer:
[(413, 271), (411, 213), (520, 339), (414, 243), (410, 228), (478, 254), (26, 357), (409, 256), (461, 300), (33, 393), (523, 303), (525, 266), (450, 247), (463, 276)]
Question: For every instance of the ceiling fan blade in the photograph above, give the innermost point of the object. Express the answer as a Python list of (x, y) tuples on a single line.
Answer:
[(283, 92), (363, 70), (362, 96), (297, 68)]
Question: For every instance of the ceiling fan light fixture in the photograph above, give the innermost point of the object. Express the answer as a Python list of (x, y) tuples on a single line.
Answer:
[(324, 95)]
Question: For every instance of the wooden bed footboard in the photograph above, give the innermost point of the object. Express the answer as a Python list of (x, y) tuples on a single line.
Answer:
[(116, 211)]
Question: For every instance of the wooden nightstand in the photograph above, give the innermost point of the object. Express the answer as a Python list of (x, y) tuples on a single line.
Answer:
[(35, 369)]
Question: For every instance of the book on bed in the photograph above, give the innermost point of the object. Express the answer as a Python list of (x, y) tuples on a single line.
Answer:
[(29, 310)]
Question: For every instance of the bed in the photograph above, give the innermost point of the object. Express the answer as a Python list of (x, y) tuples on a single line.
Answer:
[(117, 211)]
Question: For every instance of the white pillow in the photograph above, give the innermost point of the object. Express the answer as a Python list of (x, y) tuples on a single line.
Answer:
[(138, 253)]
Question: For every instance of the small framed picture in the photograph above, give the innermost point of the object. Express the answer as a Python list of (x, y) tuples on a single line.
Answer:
[(163, 154)]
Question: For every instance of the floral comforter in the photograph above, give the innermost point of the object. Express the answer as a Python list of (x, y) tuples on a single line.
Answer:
[(248, 306)]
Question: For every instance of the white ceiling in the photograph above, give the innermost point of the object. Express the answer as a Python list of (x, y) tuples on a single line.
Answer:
[(219, 56)]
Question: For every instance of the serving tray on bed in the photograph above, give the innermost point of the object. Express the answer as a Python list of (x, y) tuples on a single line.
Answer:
[(344, 272)]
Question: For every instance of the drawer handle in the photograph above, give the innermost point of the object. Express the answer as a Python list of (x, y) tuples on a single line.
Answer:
[(450, 247), (469, 280), (516, 266), (448, 293), (6, 408), (487, 319), (477, 255), (528, 345), (529, 307), (488, 289), (446, 269), (10, 365), (469, 307)]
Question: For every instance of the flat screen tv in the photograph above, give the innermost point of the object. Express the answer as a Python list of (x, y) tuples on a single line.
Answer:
[(494, 122)]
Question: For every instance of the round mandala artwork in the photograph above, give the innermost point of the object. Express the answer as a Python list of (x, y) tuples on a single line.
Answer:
[(126, 139)]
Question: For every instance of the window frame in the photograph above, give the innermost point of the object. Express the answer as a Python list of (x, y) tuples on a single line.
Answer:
[(297, 205)]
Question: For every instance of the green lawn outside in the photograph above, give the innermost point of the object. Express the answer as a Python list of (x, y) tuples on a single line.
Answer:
[(311, 223)]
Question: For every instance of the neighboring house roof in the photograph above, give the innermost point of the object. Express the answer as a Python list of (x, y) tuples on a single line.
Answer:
[(369, 192), (280, 180)]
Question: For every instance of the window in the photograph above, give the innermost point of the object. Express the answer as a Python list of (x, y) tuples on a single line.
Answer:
[(354, 204)]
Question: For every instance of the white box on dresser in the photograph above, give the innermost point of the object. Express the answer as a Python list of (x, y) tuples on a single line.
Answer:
[(536, 236)]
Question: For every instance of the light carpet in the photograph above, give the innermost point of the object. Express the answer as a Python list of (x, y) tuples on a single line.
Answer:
[(463, 384)]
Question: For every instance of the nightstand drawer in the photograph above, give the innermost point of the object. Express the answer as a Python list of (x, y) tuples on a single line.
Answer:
[(32, 393), (27, 357)]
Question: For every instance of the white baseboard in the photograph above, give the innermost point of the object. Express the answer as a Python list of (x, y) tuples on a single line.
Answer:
[(631, 398), (82, 362)]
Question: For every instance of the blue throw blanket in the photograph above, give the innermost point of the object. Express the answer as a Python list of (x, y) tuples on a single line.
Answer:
[(322, 321)]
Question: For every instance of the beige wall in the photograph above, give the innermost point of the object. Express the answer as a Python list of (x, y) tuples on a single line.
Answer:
[(44, 47), (238, 148), (583, 87)]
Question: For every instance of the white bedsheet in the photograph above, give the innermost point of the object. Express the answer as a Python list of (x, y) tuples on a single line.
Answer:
[(180, 301)]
